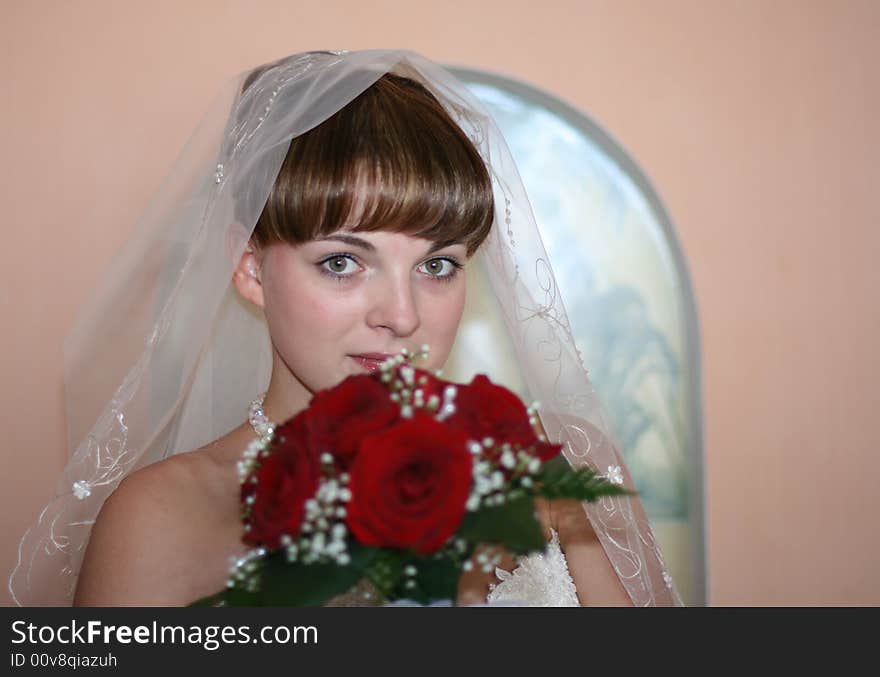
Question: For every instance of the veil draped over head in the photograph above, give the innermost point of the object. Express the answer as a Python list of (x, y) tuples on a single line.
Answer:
[(166, 357)]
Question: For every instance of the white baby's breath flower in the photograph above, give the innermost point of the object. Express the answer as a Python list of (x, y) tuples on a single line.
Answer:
[(615, 474)]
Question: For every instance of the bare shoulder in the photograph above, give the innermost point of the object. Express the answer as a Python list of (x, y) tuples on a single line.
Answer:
[(162, 536)]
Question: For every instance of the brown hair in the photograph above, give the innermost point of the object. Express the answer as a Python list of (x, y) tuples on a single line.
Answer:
[(392, 159)]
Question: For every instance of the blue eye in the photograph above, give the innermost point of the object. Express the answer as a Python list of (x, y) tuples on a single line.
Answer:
[(442, 269), (337, 266), (341, 267)]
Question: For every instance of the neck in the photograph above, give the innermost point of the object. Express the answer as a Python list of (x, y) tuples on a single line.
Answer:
[(286, 395)]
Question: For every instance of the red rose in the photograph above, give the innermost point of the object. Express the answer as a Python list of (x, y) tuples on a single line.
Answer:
[(409, 485), (484, 409), (431, 386), (285, 480), (339, 418)]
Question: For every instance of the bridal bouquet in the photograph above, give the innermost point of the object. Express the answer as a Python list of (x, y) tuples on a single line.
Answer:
[(395, 478)]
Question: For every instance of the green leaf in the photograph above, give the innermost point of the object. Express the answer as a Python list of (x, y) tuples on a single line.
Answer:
[(385, 570), (436, 579), (242, 597), (296, 584), (513, 524), (557, 479), (555, 470), (283, 583)]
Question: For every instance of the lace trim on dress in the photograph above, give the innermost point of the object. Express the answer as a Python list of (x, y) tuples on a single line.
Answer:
[(541, 579)]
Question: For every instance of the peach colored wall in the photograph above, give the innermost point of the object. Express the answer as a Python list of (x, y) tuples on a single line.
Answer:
[(757, 122)]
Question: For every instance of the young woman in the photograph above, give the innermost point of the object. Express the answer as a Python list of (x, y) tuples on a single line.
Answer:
[(343, 195)]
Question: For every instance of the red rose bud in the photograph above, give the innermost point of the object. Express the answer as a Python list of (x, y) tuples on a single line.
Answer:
[(546, 451), (409, 485), (285, 480)]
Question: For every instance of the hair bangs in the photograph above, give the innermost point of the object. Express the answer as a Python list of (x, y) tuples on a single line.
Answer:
[(392, 159)]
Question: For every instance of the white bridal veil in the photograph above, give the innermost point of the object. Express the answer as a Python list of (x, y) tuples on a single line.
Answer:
[(166, 358)]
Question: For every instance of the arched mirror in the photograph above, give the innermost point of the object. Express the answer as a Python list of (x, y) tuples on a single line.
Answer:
[(628, 294)]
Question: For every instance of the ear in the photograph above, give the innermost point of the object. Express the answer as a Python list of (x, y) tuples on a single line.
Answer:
[(237, 238), (246, 276)]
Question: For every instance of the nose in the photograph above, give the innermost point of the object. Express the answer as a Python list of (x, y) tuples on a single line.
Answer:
[(394, 306)]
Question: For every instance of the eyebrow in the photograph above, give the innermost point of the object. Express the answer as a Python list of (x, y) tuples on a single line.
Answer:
[(366, 246)]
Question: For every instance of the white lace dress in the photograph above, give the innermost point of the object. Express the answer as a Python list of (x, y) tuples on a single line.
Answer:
[(541, 579)]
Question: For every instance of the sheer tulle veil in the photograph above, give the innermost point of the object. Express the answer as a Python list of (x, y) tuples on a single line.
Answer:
[(166, 357)]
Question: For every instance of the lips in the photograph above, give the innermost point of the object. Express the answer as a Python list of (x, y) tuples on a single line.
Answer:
[(371, 361)]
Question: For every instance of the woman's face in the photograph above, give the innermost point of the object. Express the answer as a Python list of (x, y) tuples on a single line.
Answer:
[(331, 300)]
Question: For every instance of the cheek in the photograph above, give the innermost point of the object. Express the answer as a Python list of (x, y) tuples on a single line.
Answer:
[(444, 319), (298, 308)]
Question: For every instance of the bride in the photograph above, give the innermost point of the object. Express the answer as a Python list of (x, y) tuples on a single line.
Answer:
[(343, 194)]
